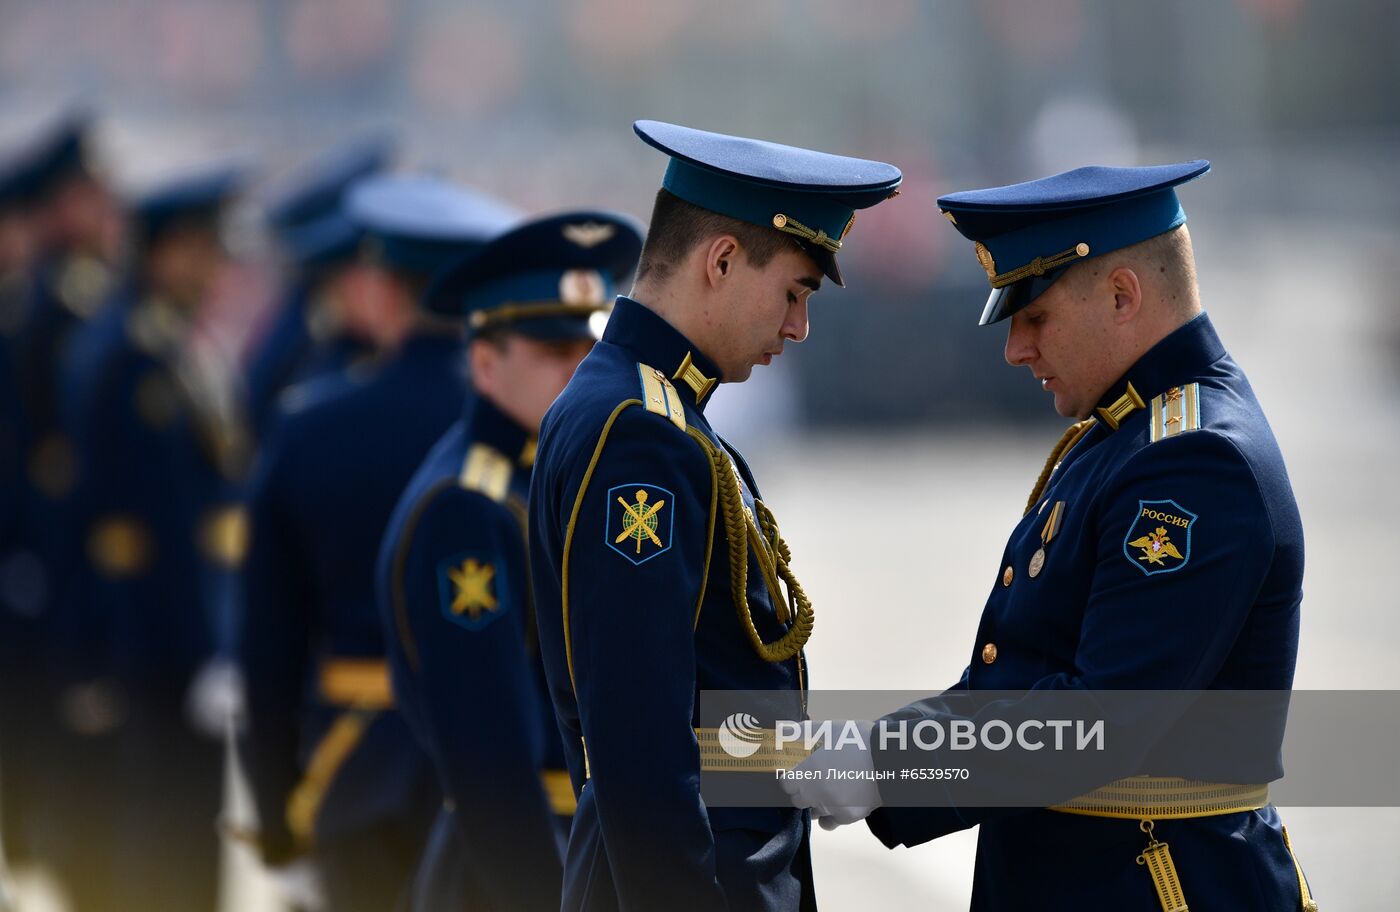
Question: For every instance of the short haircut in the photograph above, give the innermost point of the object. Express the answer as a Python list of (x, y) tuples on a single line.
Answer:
[(678, 227), (1168, 255)]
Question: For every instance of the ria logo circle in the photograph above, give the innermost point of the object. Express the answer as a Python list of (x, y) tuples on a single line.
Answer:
[(740, 735)]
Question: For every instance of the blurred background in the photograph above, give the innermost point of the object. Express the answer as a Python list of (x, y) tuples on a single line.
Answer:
[(895, 445)]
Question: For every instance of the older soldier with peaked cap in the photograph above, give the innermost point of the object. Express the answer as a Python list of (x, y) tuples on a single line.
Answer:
[(454, 581), (1160, 550), (334, 768), (656, 564)]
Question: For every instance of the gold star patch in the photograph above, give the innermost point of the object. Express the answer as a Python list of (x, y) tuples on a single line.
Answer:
[(469, 591)]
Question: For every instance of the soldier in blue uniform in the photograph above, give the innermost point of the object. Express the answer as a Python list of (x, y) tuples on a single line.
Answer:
[(155, 537), (1160, 550), (658, 570), (334, 769), (76, 218), (454, 583), (307, 336)]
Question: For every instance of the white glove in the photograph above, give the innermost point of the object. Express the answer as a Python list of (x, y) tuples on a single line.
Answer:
[(214, 697), (845, 798), (299, 885)]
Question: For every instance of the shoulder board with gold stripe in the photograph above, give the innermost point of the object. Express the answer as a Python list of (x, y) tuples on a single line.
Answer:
[(1176, 411), (487, 471), (659, 396)]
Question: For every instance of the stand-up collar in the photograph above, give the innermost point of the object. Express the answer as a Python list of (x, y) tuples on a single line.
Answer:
[(1185, 353), (487, 424), (654, 342)]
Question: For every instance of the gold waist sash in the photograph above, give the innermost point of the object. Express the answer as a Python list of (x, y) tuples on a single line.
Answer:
[(1166, 798)]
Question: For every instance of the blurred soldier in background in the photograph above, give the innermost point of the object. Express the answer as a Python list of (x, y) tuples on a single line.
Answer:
[(77, 228), (155, 535), (17, 632), (312, 330), (65, 224), (656, 565), (334, 768), (454, 587)]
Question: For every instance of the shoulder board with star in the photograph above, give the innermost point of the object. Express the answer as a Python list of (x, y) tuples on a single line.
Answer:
[(1176, 411), (659, 396), (486, 470)]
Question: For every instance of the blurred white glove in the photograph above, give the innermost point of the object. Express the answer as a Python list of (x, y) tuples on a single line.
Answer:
[(299, 885), (842, 799), (215, 696), (7, 893)]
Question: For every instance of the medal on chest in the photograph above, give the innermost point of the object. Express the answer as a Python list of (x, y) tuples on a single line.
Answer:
[(1047, 532)]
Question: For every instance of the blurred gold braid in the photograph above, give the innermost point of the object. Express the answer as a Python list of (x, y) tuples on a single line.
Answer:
[(737, 528), (1067, 441)]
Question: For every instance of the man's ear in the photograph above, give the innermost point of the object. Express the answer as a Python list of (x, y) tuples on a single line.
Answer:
[(1127, 294), (720, 258), (483, 359)]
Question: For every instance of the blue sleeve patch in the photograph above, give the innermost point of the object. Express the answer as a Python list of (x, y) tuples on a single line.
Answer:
[(471, 589), (1159, 537), (640, 521)]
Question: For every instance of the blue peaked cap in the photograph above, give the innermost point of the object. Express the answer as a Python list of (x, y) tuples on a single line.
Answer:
[(810, 195), (419, 225), (58, 152), (194, 199), (545, 279), (329, 241), (1027, 235), (316, 190)]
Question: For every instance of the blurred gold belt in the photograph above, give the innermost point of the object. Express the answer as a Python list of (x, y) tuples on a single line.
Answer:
[(361, 683), (559, 789)]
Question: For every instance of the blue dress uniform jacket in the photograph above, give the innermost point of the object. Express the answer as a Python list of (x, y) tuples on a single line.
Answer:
[(329, 758), (631, 507), (1172, 560), (457, 613), (152, 514)]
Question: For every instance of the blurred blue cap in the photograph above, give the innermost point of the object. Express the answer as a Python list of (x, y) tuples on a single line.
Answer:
[(545, 279), (58, 153), (810, 195), (419, 225), (317, 189), (193, 200), (1027, 235), (328, 241)]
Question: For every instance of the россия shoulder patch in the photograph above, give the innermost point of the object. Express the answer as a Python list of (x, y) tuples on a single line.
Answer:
[(1159, 537)]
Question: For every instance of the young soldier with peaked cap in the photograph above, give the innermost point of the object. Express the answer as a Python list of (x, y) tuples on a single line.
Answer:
[(657, 567), (454, 583), (334, 769), (1160, 550)]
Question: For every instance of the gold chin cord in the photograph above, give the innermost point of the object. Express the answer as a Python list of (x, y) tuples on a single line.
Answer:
[(774, 559)]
